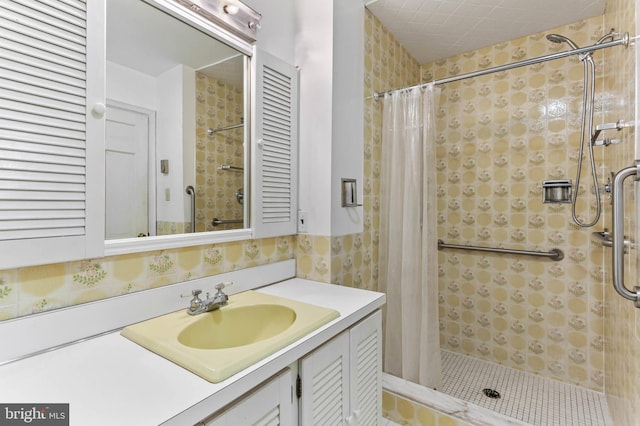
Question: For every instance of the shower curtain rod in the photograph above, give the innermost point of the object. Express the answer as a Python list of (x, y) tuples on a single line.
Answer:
[(624, 41)]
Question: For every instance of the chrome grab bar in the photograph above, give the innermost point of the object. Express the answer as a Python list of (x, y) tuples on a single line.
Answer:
[(216, 221), (192, 192), (553, 254), (232, 168), (604, 238), (617, 235), (222, 129)]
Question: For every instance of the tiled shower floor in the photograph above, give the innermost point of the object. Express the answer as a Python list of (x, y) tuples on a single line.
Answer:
[(532, 399)]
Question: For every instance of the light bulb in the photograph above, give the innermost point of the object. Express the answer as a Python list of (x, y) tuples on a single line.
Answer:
[(231, 9)]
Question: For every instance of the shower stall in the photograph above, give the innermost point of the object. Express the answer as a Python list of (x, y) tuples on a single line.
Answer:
[(500, 132)]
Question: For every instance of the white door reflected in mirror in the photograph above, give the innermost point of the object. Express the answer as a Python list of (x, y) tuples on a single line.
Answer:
[(126, 174)]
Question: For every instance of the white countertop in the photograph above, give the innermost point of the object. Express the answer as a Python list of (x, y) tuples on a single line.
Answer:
[(109, 380)]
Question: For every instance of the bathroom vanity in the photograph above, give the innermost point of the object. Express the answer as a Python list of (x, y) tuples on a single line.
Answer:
[(108, 379)]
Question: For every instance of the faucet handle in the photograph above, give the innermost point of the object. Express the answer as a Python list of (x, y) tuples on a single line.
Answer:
[(221, 295), (196, 302), (222, 285), (195, 293)]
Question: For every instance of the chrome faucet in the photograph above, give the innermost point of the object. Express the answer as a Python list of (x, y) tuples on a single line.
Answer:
[(199, 306)]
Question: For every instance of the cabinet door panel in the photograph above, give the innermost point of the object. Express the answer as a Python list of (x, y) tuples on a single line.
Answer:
[(51, 139), (271, 404), (366, 370), (275, 152), (325, 391)]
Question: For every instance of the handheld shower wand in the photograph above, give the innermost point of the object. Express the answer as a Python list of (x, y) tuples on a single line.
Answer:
[(588, 96)]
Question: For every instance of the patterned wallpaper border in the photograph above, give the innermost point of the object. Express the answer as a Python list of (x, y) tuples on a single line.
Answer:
[(36, 289)]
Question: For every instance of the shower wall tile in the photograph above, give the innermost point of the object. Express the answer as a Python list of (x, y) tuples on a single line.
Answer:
[(498, 137), (218, 104), (313, 258), (388, 65), (406, 412), (622, 320)]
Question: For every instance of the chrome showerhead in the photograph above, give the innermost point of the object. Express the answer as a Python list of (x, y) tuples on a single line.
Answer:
[(557, 38)]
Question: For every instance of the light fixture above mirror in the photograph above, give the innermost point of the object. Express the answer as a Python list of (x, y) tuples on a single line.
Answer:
[(233, 15)]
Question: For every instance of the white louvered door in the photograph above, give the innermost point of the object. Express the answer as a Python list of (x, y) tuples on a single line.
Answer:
[(51, 141), (366, 370), (342, 380), (269, 405), (325, 384), (274, 153)]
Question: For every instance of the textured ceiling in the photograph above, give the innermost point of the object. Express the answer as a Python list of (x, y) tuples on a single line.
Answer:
[(436, 29)]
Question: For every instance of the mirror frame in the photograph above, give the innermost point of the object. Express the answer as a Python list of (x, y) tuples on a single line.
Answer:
[(161, 242)]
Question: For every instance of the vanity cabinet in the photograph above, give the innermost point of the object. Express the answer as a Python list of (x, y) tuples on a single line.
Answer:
[(269, 404), (341, 382)]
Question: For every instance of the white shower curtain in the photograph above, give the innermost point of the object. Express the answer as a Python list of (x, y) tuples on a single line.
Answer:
[(408, 257)]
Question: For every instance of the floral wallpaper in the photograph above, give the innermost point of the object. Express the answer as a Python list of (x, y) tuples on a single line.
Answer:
[(35, 289)]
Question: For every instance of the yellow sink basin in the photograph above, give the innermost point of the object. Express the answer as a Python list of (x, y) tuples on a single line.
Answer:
[(237, 326), (215, 345)]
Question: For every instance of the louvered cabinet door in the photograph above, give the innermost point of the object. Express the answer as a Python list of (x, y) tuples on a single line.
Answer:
[(325, 384), (51, 131), (274, 153), (342, 380), (269, 405), (366, 371)]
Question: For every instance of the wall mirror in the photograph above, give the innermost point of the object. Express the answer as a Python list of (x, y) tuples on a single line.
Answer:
[(176, 132)]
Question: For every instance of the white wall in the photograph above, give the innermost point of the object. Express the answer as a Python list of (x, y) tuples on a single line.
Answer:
[(347, 156), (314, 51), (277, 33), (130, 86), (172, 128), (330, 53)]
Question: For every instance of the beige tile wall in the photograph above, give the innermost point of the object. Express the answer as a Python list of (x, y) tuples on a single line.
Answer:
[(578, 287), (171, 228), (218, 104), (570, 300), (388, 65), (406, 412), (622, 320), (499, 137)]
